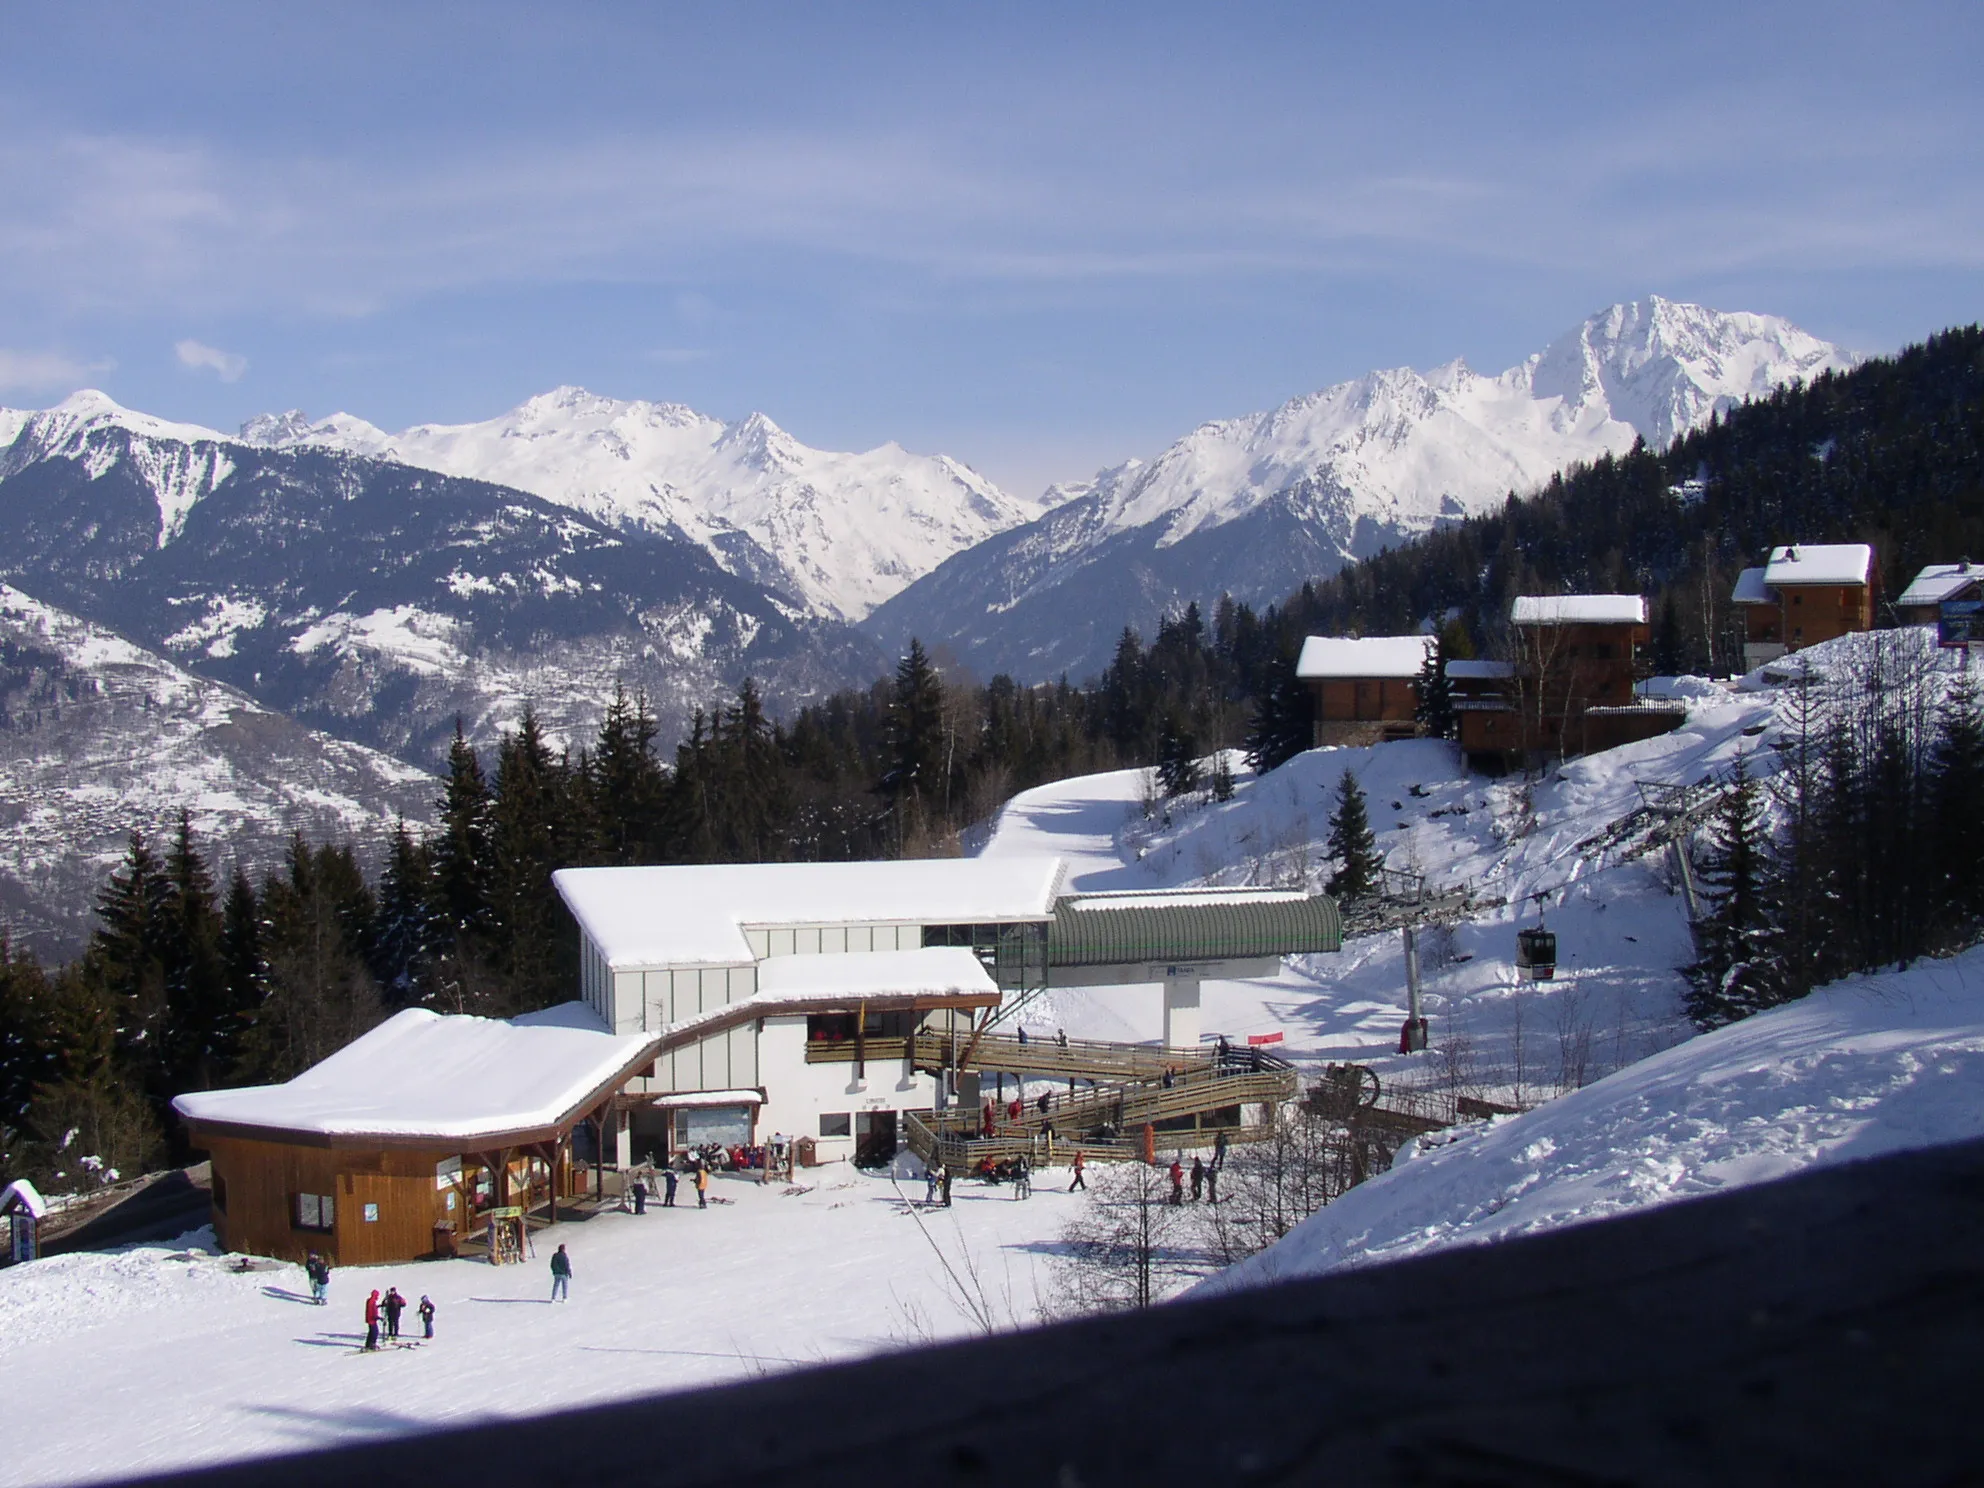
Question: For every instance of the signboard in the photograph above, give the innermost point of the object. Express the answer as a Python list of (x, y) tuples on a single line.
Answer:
[(1265, 1038), (508, 1211), (1960, 623)]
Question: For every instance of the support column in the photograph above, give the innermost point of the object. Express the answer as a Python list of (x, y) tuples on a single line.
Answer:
[(1181, 1012)]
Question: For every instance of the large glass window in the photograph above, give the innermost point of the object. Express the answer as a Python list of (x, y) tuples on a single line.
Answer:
[(727, 1126), (314, 1212), (836, 1123)]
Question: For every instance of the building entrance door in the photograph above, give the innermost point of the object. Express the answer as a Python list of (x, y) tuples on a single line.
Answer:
[(874, 1138)]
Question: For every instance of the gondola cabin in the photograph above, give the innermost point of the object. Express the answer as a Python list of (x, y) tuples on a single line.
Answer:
[(1536, 954)]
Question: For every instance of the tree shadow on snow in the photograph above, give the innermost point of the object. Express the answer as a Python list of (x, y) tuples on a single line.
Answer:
[(328, 1425)]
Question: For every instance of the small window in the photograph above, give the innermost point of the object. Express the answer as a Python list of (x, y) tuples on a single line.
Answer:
[(838, 1124), (315, 1212)]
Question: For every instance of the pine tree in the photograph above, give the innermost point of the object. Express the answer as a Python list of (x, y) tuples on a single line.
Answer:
[(1282, 724), (1956, 795), (242, 967), (526, 812), (464, 880), (1433, 707), (198, 1019), (404, 931), (1177, 760), (1352, 844), (916, 726), (1738, 968), (629, 789), (1222, 775), (125, 959), (320, 993)]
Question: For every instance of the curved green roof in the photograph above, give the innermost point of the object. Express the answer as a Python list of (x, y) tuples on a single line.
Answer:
[(1190, 925)]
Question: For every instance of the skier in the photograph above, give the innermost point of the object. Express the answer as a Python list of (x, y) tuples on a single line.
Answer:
[(1198, 1178), (930, 1183), (561, 1275), (1080, 1163), (703, 1186), (669, 1180), (640, 1197), (393, 1306), (427, 1315), (319, 1272), (944, 1186), (1022, 1178), (1177, 1183), (372, 1321), (1219, 1150)]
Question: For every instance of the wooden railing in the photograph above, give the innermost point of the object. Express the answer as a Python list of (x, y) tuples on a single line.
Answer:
[(847, 1051), (1084, 1059)]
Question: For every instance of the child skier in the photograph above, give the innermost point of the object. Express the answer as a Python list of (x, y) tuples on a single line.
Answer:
[(427, 1315)]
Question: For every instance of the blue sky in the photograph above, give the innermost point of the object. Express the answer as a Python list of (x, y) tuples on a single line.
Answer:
[(1039, 238)]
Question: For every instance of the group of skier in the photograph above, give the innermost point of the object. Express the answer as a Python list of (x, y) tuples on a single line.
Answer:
[(699, 1177), (388, 1309)]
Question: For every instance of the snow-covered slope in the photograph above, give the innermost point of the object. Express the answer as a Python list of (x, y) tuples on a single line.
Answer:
[(839, 532), (1870, 1065), (1255, 505), (98, 736)]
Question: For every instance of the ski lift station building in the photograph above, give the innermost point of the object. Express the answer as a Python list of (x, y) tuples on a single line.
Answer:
[(789, 996), (718, 1003)]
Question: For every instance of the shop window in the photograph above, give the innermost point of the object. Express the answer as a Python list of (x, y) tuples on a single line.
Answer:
[(726, 1126), (314, 1212), (837, 1124)]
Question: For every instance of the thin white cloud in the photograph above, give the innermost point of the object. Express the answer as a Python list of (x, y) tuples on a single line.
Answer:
[(200, 357), (36, 371)]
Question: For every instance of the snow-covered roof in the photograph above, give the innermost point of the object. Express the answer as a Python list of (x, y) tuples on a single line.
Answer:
[(1579, 609), (1819, 563), (1939, 581), (425, 1075), (696, 915), (1480, 671), (1181, 898), (934, 971), (1364, 656), (22, 1195), (702, 1098), (1751, 588)]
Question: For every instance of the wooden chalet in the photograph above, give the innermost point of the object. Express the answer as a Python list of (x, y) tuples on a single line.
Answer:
[(1921, 603), (1804, 594), (1366, 688), (410, 1139), (1570, 687)]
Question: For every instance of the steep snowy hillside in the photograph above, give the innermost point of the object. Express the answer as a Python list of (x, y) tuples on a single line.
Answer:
[(98, 736), (1870, 1065), (839, 532), (1255, 505), (381, 600)]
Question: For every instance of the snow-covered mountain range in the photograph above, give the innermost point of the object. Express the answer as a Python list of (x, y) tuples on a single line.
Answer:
[(839, 533), (380, 600), (98, 736), (1255, 505)]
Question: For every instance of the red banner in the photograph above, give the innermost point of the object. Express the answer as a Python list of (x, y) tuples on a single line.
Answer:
[(1265, 1038)]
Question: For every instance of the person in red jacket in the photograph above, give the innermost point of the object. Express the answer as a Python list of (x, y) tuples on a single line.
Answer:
[(1080, 1163), (1177, 1182), (372, 1321), (990, 1122)]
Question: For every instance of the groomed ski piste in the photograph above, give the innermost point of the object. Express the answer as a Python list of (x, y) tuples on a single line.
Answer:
[(162, 1356)]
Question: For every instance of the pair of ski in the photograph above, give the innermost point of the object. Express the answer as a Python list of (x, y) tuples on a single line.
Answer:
[(390, 1343)]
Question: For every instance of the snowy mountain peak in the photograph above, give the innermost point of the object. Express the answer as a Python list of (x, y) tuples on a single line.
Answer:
[(838, 532)]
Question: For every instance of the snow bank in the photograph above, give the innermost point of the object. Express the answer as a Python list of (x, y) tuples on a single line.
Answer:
[(1870, 1065)]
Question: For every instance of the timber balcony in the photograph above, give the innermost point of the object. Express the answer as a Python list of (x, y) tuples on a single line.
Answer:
[(1203, 1100)]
